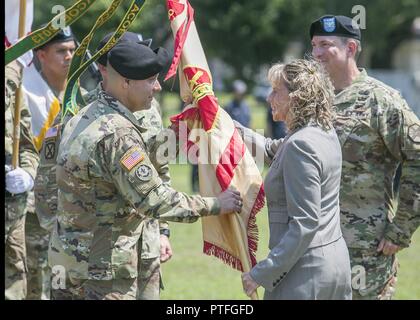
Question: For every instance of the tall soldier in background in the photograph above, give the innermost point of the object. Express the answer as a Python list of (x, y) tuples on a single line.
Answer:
[(380, 139)]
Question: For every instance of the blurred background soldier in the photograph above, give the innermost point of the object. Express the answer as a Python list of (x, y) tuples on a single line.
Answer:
[(19, 182), (238, 108), (379, 135)]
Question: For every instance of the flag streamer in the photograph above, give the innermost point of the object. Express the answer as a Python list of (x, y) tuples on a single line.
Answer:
[(43, 35), (69, 102)]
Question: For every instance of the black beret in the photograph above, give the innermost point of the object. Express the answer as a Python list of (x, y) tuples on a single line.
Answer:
[(136, 61), (127, 36), (63, 35), (330, 25)]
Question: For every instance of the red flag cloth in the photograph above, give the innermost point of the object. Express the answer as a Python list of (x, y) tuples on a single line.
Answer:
[(224, 161)]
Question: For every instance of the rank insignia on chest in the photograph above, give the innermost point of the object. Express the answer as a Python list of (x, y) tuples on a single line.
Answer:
[(132, 158), (360, 115), (144, 172)]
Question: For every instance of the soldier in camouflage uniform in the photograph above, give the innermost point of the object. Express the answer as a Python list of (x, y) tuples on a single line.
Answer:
[(380, 139), (52, 59), (46, 187), (18, 182), (108, 185), (151, 253), (154, 247)]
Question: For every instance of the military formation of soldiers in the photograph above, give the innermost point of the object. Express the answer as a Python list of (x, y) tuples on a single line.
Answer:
[(102, 199)]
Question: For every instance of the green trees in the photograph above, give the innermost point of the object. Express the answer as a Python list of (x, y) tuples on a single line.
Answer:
[(248, 33)]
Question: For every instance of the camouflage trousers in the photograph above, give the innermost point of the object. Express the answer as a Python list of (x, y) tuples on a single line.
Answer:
[(149, 279), (39, 273), (374, 275), (15, 251), (145, 287), (148, 251), (78, 289)]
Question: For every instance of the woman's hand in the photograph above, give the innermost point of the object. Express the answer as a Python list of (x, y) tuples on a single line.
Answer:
[(249, 284)]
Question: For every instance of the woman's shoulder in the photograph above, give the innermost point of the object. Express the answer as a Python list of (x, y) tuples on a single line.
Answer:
[(312, 139), (311, 133)]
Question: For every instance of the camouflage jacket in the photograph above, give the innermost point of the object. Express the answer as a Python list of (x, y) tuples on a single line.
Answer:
[(45, 183), (378, 133), (151, 123), (46, 187), (107, 187), (28, 155)]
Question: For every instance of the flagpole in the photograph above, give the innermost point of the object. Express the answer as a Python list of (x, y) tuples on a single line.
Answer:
[(16, 120)]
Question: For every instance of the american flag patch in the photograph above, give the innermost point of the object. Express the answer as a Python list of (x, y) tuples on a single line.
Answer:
[(131, 158), (52, 132)]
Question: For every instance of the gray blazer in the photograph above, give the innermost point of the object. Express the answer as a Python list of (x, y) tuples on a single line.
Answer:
[(308, 258)]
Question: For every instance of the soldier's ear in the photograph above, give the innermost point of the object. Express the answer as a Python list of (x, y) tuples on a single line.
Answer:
[(351, 48), (126, 83), (40, 53)]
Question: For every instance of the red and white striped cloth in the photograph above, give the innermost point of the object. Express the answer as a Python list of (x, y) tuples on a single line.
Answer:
[(224, 160)]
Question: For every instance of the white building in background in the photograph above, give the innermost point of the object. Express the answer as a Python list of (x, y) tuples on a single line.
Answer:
[(406, 62)]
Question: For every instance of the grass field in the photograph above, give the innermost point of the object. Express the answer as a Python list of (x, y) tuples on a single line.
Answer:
[(190, 274)]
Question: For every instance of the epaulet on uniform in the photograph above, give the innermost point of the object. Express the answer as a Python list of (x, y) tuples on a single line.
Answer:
[(385, 95), (379, 86)]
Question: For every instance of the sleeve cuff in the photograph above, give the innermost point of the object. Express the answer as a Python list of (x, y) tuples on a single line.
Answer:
[(397, 235), (163, 225), (213, 206), (269, 282)]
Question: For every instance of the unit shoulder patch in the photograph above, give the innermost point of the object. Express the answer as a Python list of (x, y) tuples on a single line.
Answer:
[(144, 172)]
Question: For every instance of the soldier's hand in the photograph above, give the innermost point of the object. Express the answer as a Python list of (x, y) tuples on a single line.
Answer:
[(387, 247), (230, 201), (18, 181), (165, 248)]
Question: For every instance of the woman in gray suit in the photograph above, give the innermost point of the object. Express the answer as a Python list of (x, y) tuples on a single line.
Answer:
[(308, 257)]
